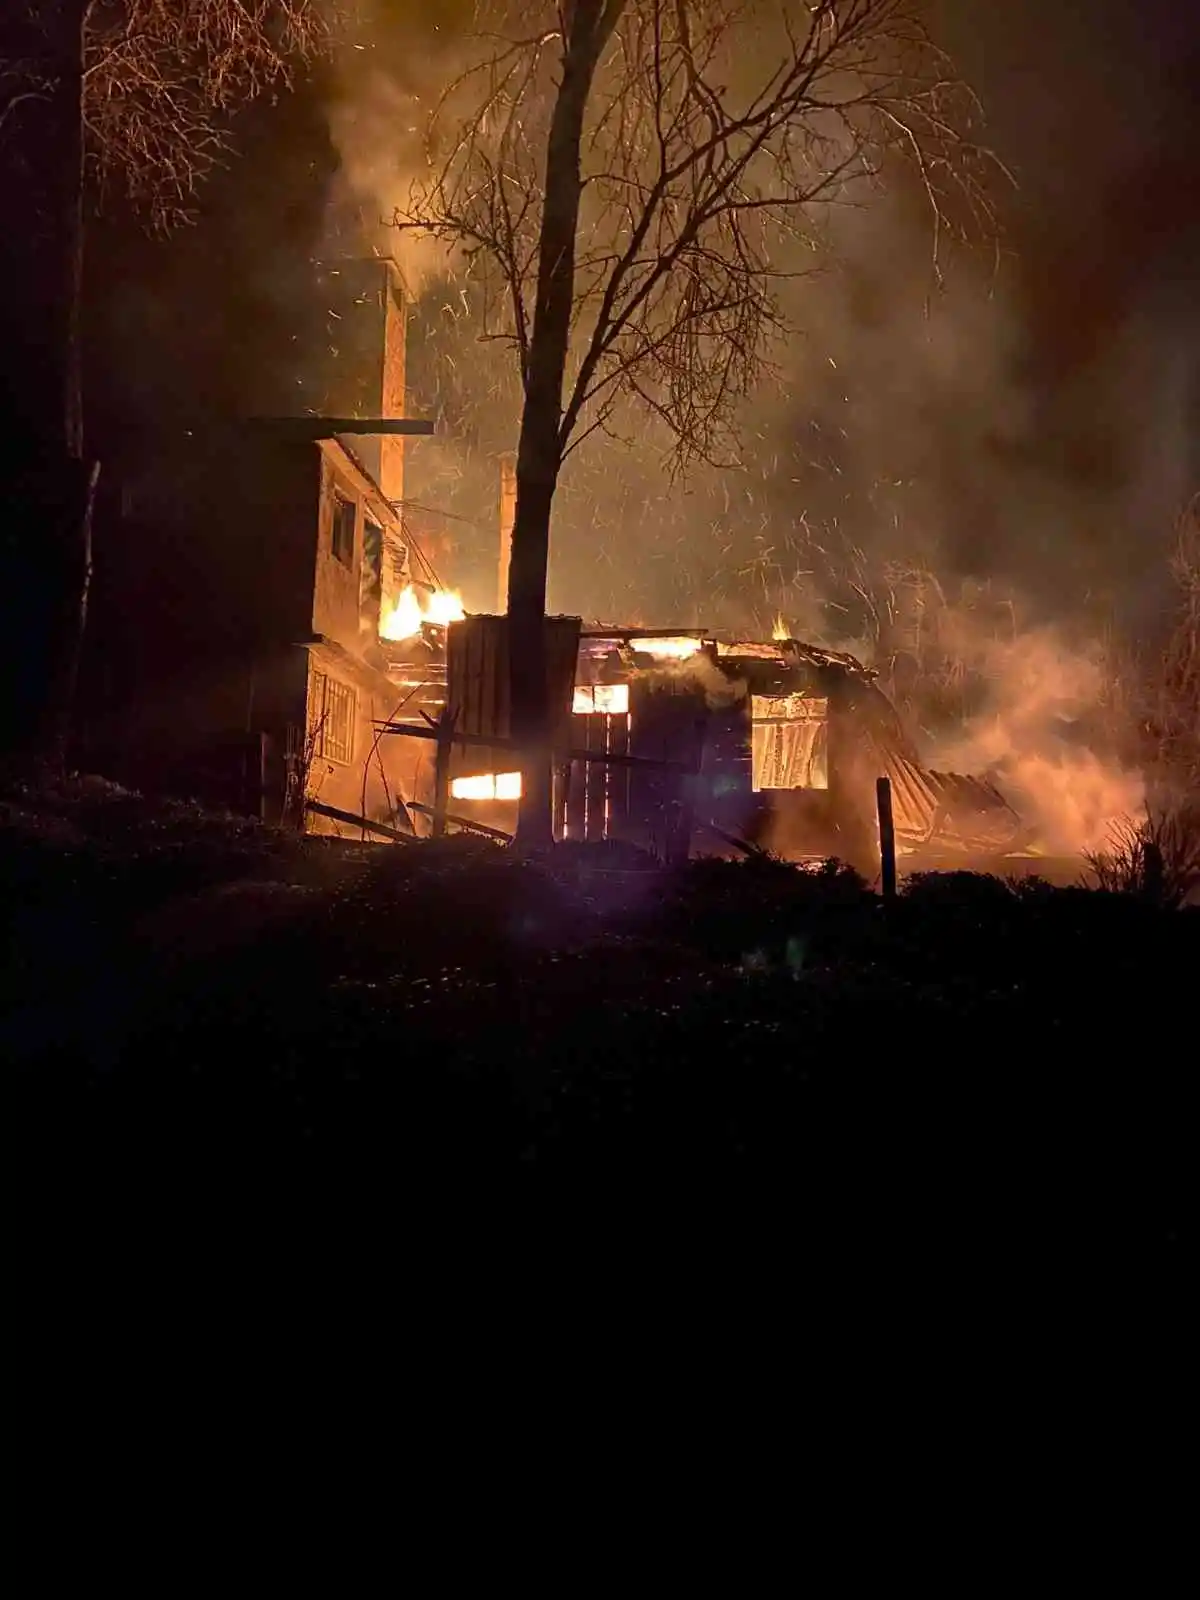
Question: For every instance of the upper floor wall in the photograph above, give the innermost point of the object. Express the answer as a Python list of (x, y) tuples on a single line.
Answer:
[(361, 559)]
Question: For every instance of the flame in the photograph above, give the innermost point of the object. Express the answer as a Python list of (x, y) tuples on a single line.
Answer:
[(666, 649), (781, 630), (487, 786), (412, 608)]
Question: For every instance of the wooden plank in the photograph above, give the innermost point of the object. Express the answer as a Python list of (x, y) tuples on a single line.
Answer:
[(573, 805), (595, 775), (618, 776), (687, 799), (467, 824), (572, 753), (349, 817), (318, 428)]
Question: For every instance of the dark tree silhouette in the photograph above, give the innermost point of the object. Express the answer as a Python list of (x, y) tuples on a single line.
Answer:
[(96, 97)]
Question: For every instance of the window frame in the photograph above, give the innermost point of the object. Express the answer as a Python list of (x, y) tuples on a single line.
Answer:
[(326, 745), (342, 503)]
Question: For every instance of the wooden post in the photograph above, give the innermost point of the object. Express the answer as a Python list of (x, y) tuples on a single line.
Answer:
[(686, 814), (441, 769), (887, 838)]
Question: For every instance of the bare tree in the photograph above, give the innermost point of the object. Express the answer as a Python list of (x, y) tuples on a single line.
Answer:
[(632, 181), (161, 78), (117, 95)]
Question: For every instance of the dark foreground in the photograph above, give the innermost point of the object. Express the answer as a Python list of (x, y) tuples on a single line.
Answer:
[(200, 1016)]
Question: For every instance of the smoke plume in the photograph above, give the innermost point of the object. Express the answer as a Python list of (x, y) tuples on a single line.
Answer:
[(1039, 731), (1025, 416)]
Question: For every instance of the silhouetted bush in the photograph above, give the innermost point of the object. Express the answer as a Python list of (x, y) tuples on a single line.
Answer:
[(458, 1012)]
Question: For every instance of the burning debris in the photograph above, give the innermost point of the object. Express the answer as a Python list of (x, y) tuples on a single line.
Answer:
[(777, 742)]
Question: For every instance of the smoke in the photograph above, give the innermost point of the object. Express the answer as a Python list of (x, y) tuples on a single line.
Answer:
[(376, 127), (1027, 415), (696, 672), (394, 57), (1039, 732)]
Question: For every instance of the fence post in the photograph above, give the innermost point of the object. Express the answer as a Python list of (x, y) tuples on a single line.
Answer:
[(441, 769), (887, 838)]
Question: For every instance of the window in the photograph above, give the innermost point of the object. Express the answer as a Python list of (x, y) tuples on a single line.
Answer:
[(370, 577), (345, 515), (487, 786), (789, 742), (332, 710), (601, 699)]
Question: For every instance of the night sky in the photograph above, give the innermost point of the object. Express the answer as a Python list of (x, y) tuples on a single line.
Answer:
[(1034, 417)]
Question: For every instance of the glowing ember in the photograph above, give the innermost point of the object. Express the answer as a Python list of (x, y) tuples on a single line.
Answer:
[(487, 786), (414, 606), (666, 649), (601, 699)]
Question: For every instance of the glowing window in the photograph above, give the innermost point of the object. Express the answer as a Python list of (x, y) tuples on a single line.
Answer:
[(601, 699), (487, 786), (678, 649), (789, 742)]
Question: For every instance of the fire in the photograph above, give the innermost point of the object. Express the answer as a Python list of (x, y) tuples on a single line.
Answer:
[(601, 699), (666, 649), (414, 606), (487, 786), (781, 630)]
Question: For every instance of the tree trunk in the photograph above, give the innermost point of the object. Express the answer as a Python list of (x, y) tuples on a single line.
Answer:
[(589, 24), (48, 487)]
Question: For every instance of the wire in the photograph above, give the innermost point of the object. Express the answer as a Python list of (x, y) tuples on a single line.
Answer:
[(374, 750), (414, 549), (435, 511)]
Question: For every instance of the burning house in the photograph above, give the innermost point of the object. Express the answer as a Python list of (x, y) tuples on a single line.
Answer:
[(248, 580), (678, 740), (271, 635)]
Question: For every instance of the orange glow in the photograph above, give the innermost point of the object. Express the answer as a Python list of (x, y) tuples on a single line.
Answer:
[(666, 649), (601, 699), (487, 786), (781, 629), (413, 607)]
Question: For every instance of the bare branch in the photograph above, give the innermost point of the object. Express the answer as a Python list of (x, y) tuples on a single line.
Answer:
[(718, 134), (161, 80)]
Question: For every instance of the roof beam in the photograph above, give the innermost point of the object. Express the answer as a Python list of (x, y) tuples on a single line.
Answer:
[(317, 428)]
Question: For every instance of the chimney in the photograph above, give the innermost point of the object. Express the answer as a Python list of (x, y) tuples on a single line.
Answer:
[(357, 367), (508, 516)]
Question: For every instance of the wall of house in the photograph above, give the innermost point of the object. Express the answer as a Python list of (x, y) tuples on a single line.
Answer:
[(341, 579), (335, 600), (217, 579), (202, 598), (347, 765), (359, 370)]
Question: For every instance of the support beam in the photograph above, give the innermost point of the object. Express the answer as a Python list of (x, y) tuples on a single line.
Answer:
[(317, 428)]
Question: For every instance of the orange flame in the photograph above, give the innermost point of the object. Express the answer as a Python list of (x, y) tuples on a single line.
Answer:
[(412, 608), (666, 649)]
